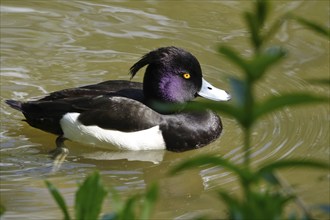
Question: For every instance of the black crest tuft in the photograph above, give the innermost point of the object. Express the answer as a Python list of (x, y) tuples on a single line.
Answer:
[(158, 56), (145, 60)]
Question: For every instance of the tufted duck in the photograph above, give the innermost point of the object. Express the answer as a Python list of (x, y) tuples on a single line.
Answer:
[(130, 115)]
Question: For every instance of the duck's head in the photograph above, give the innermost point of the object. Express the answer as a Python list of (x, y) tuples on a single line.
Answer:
[(174, 75)]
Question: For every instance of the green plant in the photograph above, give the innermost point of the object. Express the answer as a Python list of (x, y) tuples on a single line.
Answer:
[(88, 201), (265, 195), (138, 206), (90, 197), (271, 201)]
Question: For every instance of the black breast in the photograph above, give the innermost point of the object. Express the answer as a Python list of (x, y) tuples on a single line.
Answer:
[(187, 131)]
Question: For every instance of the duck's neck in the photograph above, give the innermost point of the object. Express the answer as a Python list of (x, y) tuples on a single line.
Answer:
[(164, 107)]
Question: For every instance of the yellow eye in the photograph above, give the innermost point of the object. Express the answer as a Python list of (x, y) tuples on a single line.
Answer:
[(186, 75)]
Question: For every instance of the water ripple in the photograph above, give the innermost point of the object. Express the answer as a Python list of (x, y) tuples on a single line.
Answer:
[(55, 45)]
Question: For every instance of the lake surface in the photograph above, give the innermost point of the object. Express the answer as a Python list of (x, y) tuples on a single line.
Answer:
[(53, 45)]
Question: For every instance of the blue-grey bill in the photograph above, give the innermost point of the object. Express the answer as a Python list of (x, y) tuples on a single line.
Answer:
[(210, 92)]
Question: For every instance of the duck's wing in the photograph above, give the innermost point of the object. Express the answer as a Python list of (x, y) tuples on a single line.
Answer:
[(118, 87), (114, 85), (118, 113), (108, 112)]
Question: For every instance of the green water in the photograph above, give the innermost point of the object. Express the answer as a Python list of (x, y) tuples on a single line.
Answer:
[(53, 45)]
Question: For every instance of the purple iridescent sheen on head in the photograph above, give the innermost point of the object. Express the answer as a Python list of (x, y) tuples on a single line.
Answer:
[(170, 88), (163, 79)]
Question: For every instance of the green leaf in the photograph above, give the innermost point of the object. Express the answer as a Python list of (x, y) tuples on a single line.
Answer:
[(59, 199), (262, 7), (222, 107), (254, 28), (235, 58), (116, 200), (89, 198), (277, 102), (139, 206), (255, 68), (319, 81), (274, 27), (234, 206), (149, 201), (314, 26), (280, 164), (271, 178), (203, 160), (239, 89), (128, 212), (263, 61)]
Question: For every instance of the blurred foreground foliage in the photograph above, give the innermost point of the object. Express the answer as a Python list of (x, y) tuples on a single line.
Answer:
[(265, 194), (90, 197)]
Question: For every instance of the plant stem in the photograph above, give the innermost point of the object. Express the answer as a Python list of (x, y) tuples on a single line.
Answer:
[(248, 108), (247, 148)]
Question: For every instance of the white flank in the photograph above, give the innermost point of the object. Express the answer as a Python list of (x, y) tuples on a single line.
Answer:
[(149, 139)]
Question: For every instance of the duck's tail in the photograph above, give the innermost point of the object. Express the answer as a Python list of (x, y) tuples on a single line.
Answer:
[(15, 104)]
